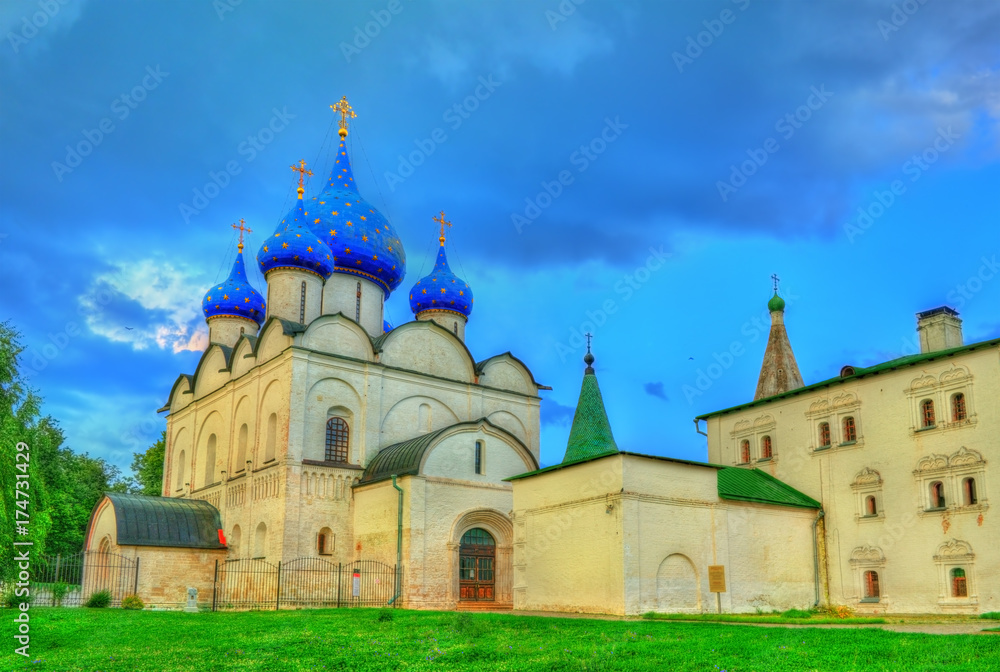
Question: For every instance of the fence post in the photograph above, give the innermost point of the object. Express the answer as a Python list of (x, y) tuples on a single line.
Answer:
[(215, 584), (277, 599), (58, 562), (340, 566)]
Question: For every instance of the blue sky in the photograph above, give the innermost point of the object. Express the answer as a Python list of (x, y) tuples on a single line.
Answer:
[(692, 148)]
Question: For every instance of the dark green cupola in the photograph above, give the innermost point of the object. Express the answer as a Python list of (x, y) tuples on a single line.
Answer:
[(590, 435)]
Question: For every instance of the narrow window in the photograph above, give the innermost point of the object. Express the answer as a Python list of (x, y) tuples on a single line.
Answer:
[(969, 487), (270, 447), (744, 451), (765, 447), (210, 461), (337, 440), (824, 434), (241, 450), (242, 329), (180, 471), (321, 544), (454, 327), (871, 508), (479, 457), (937, 495), (927, 413), (302, 304), (959, 586), (871, 585), (357, 305), (850, 431), (958, 413)]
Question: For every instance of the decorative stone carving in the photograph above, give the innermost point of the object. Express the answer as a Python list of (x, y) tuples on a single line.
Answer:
[(955, 374), (932, 463), (954, 550), (765, 419), (867, 476), (868, 555), (923, 381), (965, 457), (846, 399), (819, 406)]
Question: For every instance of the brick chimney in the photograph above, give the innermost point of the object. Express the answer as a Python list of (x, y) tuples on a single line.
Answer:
[(939, 329)]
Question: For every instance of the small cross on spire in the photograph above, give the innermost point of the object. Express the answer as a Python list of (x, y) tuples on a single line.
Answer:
[(346, 112), (302, 171), (775, 278), (440, 219), (242, 229), (588, 359), (589, 336)]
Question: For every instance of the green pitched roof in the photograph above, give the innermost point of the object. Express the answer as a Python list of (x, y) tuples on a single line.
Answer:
[(590, 435), (859, 372), (404, 458), (165, 521), (754, 485)]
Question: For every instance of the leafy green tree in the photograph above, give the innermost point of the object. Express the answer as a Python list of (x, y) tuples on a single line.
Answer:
[(147, 468)]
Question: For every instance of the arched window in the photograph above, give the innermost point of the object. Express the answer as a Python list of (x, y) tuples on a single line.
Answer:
[(959, 585), (744, 451), (871, 508), (958, 413), (241, 450), (260, 541), (824, 434), (424, 418), (180, 471), (479, 457), (927, 413), (454, 328), (937, 495), (302, 304), (210, 461), (337, 440), (271, 438), (357, 305), (765, 447), (850, 431), (324, 541), (871, 585), (234, 541), (969, 489)]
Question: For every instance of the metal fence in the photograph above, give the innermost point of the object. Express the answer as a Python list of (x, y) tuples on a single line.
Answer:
[(70, 580), (304, 582)]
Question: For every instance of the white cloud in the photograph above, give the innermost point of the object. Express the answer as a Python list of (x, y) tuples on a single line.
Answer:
[(147, 303), (29, 25)]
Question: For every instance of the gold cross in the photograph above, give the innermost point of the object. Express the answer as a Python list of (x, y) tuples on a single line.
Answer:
[(242, 228), (302, 171), (346, 112), (440, 220)]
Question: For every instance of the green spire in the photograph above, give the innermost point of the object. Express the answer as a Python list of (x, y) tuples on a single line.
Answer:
[(590, 435)]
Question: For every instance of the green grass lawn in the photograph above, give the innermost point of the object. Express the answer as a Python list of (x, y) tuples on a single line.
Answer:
[(355, 639)]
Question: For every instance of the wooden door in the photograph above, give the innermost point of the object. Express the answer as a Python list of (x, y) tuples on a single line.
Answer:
[(477, 566)]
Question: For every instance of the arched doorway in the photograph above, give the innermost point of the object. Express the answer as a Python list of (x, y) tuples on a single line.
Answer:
[(677, 588), (477, 554)]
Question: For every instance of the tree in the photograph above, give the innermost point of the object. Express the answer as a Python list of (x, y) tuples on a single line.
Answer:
[(147, 469)]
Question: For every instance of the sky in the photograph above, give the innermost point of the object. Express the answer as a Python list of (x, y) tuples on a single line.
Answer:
[(635, 170)]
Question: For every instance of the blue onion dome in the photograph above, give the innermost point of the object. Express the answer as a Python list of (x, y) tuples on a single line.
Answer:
[(234, 296), (386, 327), (294, 245), (363, 241), (441, 290)]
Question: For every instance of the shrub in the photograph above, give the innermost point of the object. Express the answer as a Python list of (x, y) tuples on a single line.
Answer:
[(796, 613), (992, 615), (9, 599), (59, 591), (465, 624), (384, 615), (99, 600), (133, 602)]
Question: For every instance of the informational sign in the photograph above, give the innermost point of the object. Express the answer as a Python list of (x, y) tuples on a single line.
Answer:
[(356, 584), (717, 578)]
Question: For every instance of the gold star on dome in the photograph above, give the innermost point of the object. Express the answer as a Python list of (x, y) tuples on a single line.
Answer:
[(309, 249), (208, 298), (322, 202), (334, 212), (363, 217), (461, 293), (316, 221), (347, 204), (443, 290), (350, 223), (220, 288), (375, 256), (298, 235), (424, 291), (364, 237), (225, 297), (284, 245), (246, 300), (348, 250), (333, 232), (390, 248)]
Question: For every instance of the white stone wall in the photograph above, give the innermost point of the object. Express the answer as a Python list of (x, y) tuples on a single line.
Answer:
[(894, 460)]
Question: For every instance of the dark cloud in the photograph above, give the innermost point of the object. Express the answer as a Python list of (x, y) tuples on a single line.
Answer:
[(656, 390), (554, 413)]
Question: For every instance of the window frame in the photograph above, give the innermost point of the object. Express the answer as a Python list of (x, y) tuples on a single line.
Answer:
[(337, 440)]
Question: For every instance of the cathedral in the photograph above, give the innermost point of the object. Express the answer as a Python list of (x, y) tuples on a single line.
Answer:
[(311, 428)]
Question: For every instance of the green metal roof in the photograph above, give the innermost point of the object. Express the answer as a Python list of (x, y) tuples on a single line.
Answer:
[(590, 435), (404, 458), (165, 521), (754, 485), (776, 303), (860, 372)]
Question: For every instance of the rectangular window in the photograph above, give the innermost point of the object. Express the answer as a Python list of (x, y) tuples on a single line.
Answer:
[(479, 457)]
